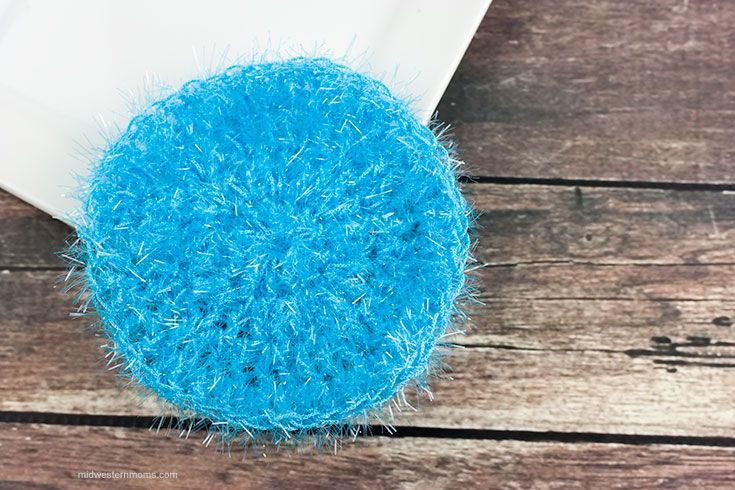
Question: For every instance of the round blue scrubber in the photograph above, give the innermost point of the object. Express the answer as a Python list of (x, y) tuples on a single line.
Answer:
[(277, 247)]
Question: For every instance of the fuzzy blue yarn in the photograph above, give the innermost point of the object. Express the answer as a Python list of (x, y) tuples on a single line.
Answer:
[(277, 247)]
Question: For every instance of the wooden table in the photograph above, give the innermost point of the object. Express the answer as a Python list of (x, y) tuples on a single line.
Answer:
[(601, 135)]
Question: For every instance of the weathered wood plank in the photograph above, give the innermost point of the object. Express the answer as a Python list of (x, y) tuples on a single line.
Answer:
[(28, 237), (634, 90), (519, 224), (506, 386), (604, 309), (529, 223), (565, 342), (53, 456)]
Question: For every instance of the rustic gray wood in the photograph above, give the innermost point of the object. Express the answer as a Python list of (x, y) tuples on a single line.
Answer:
[(52, 457), (611, 90)]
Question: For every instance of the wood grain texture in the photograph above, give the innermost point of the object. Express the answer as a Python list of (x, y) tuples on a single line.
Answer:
[(634, 90), (519, 224), (29, 238), (40, 456), (605, 310)]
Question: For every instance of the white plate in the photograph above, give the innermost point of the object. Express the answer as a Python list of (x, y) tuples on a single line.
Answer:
[(68, 68)]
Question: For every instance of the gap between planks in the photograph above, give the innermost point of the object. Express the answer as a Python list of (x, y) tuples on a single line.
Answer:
[(170, 423)]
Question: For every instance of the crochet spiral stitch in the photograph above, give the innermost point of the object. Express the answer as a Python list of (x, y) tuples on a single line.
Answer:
[(278, 247)]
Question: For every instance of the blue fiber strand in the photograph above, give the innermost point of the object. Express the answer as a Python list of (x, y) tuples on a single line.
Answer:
[(279, 247)]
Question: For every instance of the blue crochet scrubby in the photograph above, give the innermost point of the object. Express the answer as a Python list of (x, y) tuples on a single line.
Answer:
[(279, 247)]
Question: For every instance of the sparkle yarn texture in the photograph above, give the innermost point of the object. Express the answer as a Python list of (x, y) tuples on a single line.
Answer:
[(279, 247)]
